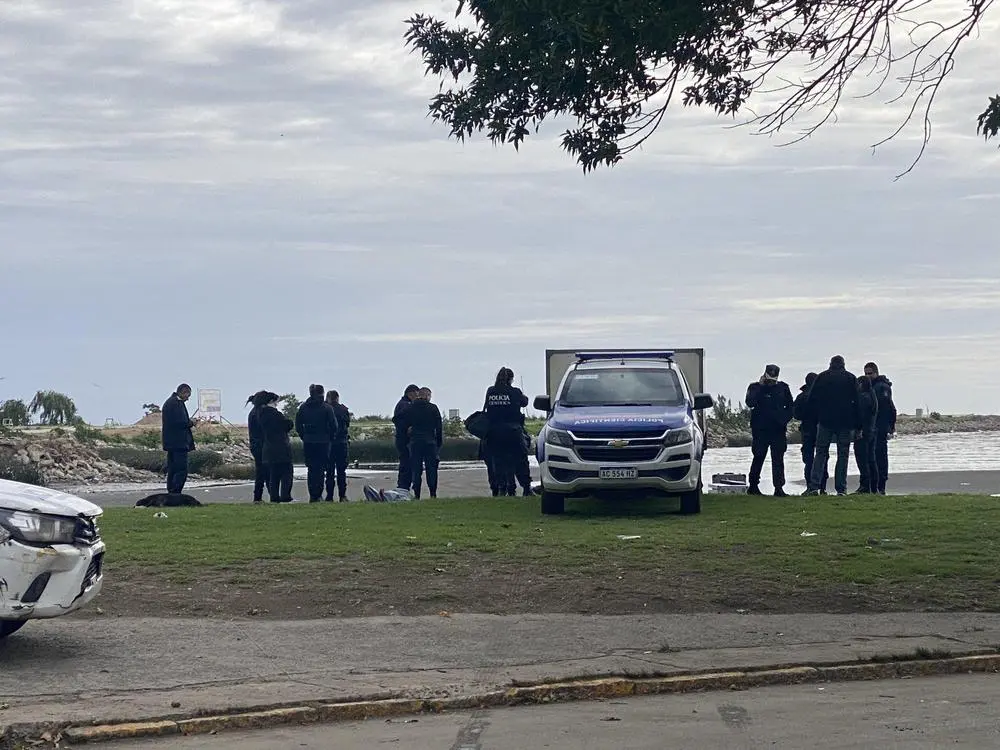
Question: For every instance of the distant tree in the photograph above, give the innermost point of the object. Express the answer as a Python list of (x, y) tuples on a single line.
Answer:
[(16, 411), (151, 409), (616, 66), (727, 414), (53, 408), (290, 405)]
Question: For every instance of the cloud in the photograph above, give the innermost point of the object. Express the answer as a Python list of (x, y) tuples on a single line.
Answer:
[(251, 194)]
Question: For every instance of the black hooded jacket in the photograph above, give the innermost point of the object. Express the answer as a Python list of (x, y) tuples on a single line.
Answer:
[(255, 431), (834, 399), (343, 423), (178, 436), (316, 421), (886, 421), (423, 423), (770, 406), (867, 411), (399, 419), (503, 404), (277, 448), (804, 412)]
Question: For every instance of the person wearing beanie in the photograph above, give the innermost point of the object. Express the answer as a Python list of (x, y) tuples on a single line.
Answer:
[(807, 429), (404, 476), (316, 423), (834, 400), (770, 403)]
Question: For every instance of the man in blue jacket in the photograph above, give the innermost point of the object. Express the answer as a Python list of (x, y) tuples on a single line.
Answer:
[(404, 476), (834, 400), (885, 424), (316, 423), (178, 437)]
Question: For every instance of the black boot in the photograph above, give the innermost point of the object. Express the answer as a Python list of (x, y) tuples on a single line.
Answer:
[(754, 490)]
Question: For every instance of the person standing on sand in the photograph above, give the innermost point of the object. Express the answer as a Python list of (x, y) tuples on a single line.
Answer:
[(277, 450), (770, 403), (864, 443), (834, 399), (337, 470), (807, 429), (885, 425), (178, 437), (404, 476), (256, 435), (425, 431), (316, 423)]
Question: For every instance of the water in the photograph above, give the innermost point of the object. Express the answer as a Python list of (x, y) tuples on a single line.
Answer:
[(968, 451)]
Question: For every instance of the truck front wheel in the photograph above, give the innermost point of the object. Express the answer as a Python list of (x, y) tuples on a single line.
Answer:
[(691, 501), (553, 505)]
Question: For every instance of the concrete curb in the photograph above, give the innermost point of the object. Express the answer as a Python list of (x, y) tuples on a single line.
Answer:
[(569, 690)]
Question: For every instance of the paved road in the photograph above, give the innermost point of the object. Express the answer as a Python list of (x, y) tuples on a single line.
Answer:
[(472, 483), (929, 713), (81, 669)]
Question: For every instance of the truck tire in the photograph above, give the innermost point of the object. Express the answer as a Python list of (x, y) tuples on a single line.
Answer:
[(9, 627), (691, 502), (553, 505)]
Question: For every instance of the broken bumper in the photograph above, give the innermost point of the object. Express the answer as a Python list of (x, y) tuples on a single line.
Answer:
[(41, 582)]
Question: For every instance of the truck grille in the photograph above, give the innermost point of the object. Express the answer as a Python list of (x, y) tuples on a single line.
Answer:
[(603, 454), (656, 434)]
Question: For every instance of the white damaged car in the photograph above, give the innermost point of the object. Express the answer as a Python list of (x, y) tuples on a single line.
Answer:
[(51, 554)]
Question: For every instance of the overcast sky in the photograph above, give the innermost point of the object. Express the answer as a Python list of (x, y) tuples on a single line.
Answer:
[(249, 194)]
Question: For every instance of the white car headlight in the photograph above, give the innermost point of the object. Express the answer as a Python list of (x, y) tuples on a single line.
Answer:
[(679, 436), (35, 528)]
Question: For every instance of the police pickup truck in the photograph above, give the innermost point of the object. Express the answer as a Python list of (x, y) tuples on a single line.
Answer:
[(622, 424)]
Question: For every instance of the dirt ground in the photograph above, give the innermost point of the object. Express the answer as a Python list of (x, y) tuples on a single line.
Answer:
[(347, 588)]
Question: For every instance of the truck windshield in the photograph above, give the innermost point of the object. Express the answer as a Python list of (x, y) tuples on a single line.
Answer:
[(623, 387)]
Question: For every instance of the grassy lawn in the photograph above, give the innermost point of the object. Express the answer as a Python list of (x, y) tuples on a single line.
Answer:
[(921, 541)]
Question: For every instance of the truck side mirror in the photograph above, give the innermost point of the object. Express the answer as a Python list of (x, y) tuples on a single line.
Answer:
[(543, 403), (703, 401)]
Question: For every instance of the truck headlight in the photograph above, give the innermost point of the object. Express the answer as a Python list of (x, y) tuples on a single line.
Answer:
[(559, 437), (35, 528), (679, 436)]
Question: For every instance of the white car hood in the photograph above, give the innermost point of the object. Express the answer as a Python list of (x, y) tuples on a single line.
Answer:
[(28, 497)]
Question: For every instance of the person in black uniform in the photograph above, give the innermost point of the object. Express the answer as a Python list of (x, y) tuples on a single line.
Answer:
[(503, 404), (885, 424), (178, 437), (770, 402), (404, 477), (425, 431), (807, 429), (256, 434), (864, 442), (316, 423), (277, 450), (336, 472)]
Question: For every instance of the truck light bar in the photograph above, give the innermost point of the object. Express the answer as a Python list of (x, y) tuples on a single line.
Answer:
[(589, 356)]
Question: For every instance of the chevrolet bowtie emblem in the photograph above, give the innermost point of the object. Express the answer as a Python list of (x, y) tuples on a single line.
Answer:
[(618, 443)]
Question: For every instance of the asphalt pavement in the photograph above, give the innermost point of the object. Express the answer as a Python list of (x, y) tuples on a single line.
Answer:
[(925, 714), (80, 670)]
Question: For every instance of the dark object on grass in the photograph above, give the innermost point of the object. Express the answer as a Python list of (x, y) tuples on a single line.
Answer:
[(166, 500)]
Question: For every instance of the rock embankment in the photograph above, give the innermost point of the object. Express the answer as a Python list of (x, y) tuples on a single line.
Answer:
[(64, 460)]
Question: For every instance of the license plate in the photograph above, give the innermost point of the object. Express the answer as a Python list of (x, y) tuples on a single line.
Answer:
[(618, 473)]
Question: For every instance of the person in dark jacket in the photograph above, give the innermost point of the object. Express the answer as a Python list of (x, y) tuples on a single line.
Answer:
[(770, 403), (178, 437), (834, 400), (336, 472), (864, 443), (256, 435), (425, 431), (885, 424), (503, 404), (404, 477), (277, 448), (316, 423), (807, 429)]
